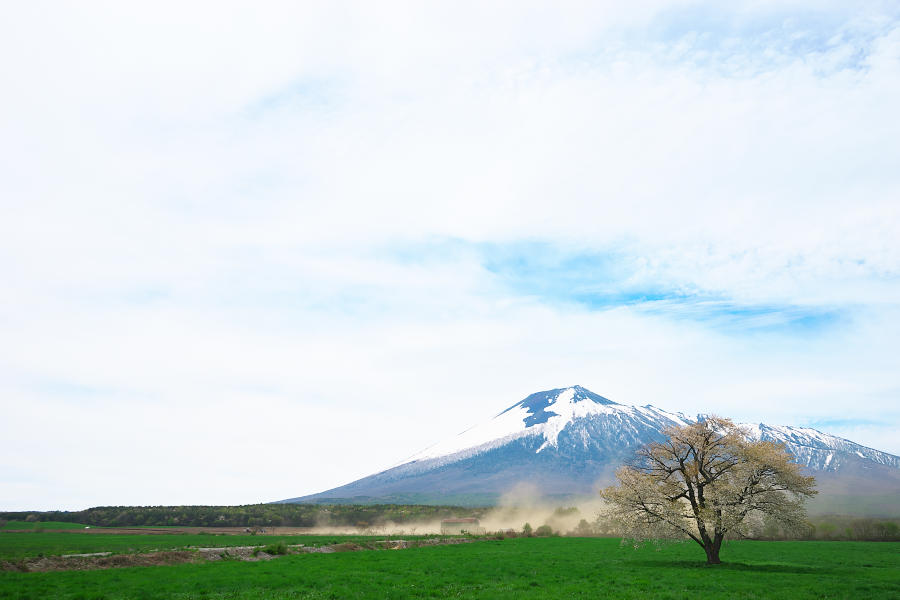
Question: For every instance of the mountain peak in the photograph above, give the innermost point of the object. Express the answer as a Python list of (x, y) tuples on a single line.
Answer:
[(539, 405)]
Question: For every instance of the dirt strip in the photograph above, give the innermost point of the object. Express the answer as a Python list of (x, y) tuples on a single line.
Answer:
[(105, 560), (84, 563)]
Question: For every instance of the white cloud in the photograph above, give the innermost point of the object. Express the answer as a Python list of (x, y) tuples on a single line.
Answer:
[(197, 201)]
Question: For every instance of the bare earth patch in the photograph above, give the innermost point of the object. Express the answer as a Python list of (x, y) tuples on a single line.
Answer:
[(105, 560), (84, 563)]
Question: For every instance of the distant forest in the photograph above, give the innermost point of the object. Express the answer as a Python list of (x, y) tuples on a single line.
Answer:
[(374, 516), (251, 515)]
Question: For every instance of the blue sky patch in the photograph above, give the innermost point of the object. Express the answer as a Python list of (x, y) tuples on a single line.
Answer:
[(614, 277)]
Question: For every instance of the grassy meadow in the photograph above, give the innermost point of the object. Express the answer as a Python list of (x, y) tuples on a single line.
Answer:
[(511, 568)]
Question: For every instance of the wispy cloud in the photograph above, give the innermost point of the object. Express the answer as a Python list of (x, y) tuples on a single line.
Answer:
[(355, 220)]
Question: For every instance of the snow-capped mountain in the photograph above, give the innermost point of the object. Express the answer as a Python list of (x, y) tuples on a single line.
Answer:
[(567, 441), (545, 415), (820, 451)]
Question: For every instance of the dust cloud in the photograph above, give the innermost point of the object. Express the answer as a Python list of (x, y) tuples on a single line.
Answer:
[(523, 503)]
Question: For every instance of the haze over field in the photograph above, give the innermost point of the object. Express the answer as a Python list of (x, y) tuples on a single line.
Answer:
[(254, 252)]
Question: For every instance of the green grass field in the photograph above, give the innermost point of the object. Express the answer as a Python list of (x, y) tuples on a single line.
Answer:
[(513, 568)]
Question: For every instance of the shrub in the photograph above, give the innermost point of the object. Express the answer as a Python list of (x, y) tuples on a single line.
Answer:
[(277, 548), (544, 531)]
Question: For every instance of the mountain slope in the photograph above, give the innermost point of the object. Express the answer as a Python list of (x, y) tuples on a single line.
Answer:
[(567, 441)]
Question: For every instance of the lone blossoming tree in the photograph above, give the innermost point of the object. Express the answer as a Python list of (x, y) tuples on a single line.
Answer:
[(705, 482)]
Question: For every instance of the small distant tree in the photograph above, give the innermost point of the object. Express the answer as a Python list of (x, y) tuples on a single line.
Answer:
[(526, 530), (703, 483), (543, 531), (583, 529)]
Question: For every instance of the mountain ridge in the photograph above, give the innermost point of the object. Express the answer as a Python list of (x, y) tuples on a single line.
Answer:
[(568, 441)]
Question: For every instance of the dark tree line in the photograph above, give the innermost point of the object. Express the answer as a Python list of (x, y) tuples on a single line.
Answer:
[(251, 515)]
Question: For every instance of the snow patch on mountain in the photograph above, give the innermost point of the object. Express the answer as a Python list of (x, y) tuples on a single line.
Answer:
[(502, 429), (566, 407)]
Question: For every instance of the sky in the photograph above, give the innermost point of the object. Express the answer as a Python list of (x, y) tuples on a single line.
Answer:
[(252, 251)]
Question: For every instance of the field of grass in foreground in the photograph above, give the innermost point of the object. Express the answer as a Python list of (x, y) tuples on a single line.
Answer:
[(14, 546), (513, 568)]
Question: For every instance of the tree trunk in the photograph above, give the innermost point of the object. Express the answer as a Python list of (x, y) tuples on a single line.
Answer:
[(712, 548)]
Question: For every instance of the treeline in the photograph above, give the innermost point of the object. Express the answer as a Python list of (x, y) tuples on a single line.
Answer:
[(836, 527), (363, 517), (251, 515)]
